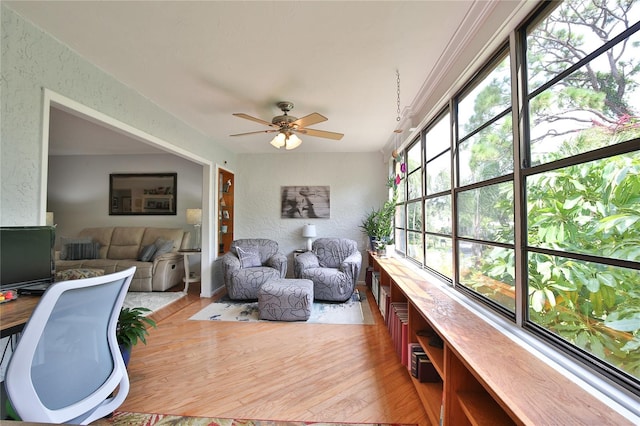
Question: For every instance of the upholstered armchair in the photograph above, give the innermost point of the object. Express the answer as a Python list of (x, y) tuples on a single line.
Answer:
[(333, 265), (250, 263)]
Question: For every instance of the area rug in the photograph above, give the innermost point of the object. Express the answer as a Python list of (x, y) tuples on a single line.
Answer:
[(151, 300), (122, 418), (354, 311)]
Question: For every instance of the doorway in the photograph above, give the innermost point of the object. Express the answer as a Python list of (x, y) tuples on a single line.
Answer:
[(53, 100)]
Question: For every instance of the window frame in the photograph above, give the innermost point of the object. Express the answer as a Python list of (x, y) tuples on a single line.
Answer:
[(514, 47)]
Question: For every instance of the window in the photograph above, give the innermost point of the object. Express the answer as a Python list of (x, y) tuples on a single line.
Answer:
[(577, 237), (413, 173), (437, 202), (583, 183), (484, 191)]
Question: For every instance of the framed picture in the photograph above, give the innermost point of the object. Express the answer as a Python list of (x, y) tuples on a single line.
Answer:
[(309, 202), (143, 193)]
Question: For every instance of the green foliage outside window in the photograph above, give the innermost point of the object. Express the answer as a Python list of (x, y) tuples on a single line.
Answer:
[(589, 208), (581, 172)]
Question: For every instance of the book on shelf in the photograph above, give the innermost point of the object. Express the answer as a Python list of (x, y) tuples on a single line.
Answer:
[(368, 276), (426, 371), (393, 317), (398, 326), (375, 286), (385, 300), (404, 341), (417, 356), (412, 365)]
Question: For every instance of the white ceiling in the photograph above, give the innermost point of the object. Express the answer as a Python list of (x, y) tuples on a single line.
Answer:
[(203, 60)]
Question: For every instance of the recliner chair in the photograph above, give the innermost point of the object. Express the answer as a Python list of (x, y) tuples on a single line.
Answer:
[(250, 263), (67, 364), (333, 265)]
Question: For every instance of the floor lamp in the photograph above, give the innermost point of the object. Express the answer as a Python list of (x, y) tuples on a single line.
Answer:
[(194, 217)]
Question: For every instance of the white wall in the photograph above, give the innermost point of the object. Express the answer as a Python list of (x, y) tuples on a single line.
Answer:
[(357, 182), (78, 190), (32, 61)]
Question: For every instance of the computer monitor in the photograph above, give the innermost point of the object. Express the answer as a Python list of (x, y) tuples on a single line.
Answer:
[(26, 256)]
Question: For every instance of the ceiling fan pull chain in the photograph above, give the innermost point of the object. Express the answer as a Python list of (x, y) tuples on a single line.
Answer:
[(395, 154), (398, 82)]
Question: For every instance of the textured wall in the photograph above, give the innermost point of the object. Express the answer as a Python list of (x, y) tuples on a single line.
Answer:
[(357, 184), (32, 60)]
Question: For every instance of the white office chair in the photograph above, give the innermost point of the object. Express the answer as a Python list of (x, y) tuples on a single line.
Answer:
[(67, 364)]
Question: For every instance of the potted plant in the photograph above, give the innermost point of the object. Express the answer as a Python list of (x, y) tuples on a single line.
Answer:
[(385, 232), (378, 224), (370, 227), (132, 327)]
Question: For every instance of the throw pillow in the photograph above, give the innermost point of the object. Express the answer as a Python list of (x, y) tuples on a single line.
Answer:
[(162, 246), (249, 257), (65, 241), (147, 252), (81, 251)]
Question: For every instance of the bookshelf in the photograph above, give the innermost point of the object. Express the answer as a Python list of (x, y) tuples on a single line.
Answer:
[(487, 378), (225, 210)]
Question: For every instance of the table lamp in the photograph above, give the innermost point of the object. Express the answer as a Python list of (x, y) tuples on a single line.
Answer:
[(194, 217), (308, 232)]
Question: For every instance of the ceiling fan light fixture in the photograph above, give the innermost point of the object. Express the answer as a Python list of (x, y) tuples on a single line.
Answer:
[(293, 141), (286, 125), (279, 140)]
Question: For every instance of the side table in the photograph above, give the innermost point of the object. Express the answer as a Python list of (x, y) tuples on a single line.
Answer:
[(187, 273), (298, 252)]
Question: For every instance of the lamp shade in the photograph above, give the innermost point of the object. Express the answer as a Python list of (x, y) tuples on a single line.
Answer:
[(279, 140), (309, 231), (194, 216), (293, 142)]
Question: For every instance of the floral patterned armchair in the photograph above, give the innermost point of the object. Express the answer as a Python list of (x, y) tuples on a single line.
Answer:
[(249, 264), (333, 265)]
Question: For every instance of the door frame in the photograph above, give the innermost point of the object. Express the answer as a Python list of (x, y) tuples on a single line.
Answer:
[(209, 241)]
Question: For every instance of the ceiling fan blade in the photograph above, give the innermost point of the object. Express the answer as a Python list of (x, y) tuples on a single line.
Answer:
[(255, 133), (310, 120), (321, 134), (257, 120)]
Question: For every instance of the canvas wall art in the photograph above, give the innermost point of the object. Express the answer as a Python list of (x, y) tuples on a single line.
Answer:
[(309, 202)]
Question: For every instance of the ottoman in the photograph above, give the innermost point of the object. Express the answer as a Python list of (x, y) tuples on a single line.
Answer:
[(79, 273), (285, 299)]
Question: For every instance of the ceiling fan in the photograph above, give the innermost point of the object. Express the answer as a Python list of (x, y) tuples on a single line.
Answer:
[(286, 126)]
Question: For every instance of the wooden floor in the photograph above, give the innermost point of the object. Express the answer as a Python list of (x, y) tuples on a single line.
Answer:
[(270, 371)]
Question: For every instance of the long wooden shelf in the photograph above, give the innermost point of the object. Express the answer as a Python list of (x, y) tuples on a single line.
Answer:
[(487, 378), (436, 355), (476, 406), (431, 396)]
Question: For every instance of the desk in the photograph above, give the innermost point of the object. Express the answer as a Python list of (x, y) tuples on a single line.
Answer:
[(14, 314), (187, 273)]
